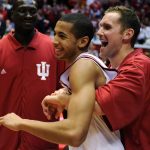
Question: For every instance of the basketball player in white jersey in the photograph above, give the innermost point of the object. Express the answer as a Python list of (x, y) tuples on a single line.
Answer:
[(99, 136), (83, 129)]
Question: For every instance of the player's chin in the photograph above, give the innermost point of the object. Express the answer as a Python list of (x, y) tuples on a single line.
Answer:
[(59, 57)]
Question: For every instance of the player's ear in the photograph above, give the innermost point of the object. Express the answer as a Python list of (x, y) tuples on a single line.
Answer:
[(128, 34), (82, 42)]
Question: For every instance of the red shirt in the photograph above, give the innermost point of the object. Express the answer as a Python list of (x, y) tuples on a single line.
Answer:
[(126, 101), (27, 75)]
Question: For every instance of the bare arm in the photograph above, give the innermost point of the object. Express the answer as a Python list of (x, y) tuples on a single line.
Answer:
[(73, 130)]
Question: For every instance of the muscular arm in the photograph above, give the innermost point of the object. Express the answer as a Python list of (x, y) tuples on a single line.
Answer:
[(73, 130)]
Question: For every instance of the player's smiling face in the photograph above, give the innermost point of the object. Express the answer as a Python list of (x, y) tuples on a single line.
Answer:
[(110, 34), (65, 42)]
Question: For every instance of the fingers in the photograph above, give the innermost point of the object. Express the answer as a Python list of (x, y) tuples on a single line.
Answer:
[(49, 110), (52, 106), (54, 111), (11, 121), (61, 91), (50, 101), (4, 118), (46, 113), (58, 113), (1, 120)]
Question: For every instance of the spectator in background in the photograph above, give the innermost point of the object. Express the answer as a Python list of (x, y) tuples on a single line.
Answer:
[(95, 45), (28, 72), (9, 26), (2, 26)]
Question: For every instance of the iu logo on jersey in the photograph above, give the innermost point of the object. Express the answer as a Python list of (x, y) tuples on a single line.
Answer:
[(43, 70)]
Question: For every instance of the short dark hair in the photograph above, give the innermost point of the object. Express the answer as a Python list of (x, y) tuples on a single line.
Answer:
[(128, 19), (15, 3), (82, 25)]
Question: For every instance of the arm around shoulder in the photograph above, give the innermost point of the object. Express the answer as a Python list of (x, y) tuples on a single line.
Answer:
[(121, 96)]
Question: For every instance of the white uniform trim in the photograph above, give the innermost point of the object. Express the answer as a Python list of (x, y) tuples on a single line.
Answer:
[(99, 136)]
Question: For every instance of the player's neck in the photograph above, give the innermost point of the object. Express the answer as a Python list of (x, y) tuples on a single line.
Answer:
[(117, 60), (73, 58), (24, 39)]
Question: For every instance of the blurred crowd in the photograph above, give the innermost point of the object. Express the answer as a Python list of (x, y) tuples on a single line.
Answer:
[(50, 11)]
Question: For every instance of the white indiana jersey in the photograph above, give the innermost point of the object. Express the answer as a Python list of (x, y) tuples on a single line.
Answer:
[(99, 136)]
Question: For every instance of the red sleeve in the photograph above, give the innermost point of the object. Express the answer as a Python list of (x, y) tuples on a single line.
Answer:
[(122, 96)]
